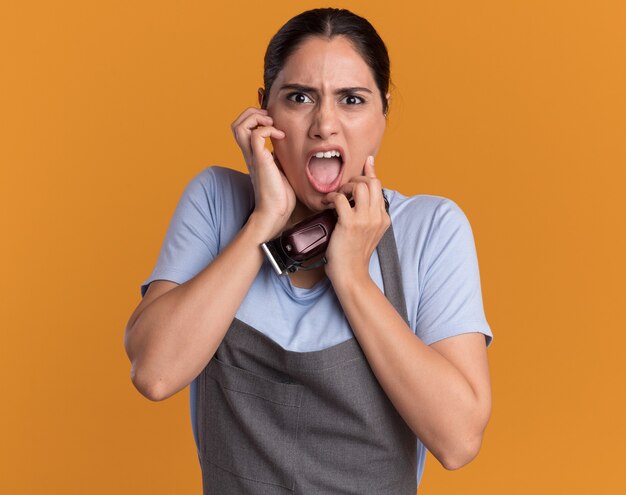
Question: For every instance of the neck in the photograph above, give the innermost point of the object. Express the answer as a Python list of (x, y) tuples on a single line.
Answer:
[(300, 212)]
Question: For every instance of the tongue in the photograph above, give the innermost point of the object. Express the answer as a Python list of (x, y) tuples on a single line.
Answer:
[(325, 170)]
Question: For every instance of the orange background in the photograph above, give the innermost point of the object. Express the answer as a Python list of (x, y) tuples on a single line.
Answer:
[(516, 110)]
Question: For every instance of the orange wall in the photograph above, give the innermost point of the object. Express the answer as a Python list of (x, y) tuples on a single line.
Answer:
[(516, 110)]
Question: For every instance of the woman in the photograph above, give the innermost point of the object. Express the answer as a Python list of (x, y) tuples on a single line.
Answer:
[(336, 379)]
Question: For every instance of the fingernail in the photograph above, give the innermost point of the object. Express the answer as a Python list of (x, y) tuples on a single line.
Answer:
[(372, 160)]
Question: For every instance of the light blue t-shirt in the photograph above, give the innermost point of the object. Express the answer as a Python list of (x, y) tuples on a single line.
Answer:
[(440, 273)]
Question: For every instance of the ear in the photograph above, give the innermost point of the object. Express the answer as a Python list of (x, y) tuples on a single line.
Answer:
[(261, 95), (388, 96)]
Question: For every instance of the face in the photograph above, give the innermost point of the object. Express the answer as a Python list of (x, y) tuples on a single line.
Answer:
[(326, 101)]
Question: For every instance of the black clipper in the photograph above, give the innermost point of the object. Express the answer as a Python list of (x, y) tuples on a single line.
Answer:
[(293, 247)]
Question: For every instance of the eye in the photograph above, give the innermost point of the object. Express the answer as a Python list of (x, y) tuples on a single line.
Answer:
[(299, 98), (353, 100)]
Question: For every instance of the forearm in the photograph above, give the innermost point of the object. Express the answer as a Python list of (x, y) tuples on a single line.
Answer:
[(177, 334), (430, 393)]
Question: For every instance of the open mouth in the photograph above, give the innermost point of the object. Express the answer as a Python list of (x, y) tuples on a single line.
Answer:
[(325, 169)]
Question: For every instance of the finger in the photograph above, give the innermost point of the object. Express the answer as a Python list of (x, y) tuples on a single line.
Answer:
[(328, 199), (377, 202), (374, 184), (243, 130), (348, 188), (341, 204), (245, 114), (359, 178), (252, 118), (368, 170), (361, 195), (258, 137)]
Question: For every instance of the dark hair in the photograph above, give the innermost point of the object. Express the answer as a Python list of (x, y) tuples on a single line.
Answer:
[(328, 23)]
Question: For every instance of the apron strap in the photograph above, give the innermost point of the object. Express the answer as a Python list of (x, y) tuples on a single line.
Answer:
[(391, 272)]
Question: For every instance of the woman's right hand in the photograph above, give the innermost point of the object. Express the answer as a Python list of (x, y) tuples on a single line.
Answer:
[(273, 195)]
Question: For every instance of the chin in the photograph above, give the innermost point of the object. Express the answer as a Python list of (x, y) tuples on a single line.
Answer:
[(314, 205), (309, 205)]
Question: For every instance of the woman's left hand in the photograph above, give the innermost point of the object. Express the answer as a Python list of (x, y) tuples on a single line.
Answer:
[(359, 229)]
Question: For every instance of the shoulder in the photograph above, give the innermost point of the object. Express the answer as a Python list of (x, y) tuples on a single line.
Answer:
[(220, 188), (422, 214), (219, 197), (215, 177)]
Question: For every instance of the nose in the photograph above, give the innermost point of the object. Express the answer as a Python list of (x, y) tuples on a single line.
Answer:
[(325, 122)]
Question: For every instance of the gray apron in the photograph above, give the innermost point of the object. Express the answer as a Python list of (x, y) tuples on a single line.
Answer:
[(272, 421)]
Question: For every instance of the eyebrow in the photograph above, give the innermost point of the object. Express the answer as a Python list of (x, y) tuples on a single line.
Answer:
[(310, 89)]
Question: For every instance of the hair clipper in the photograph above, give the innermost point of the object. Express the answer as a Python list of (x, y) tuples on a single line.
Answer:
[(305, 240)]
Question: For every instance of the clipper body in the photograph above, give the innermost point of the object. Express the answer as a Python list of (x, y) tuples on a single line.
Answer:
[(299, 243)]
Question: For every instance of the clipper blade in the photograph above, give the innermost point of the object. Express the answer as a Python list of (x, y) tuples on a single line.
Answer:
[(274, 255)]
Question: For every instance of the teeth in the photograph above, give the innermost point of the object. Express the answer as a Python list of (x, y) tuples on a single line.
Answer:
[(327, 154)]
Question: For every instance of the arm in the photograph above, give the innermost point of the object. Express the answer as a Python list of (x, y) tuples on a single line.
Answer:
[(442, 391), (172, 338), (175, 331)]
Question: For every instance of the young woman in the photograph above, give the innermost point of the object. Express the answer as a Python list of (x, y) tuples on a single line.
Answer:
[(333, 380)]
